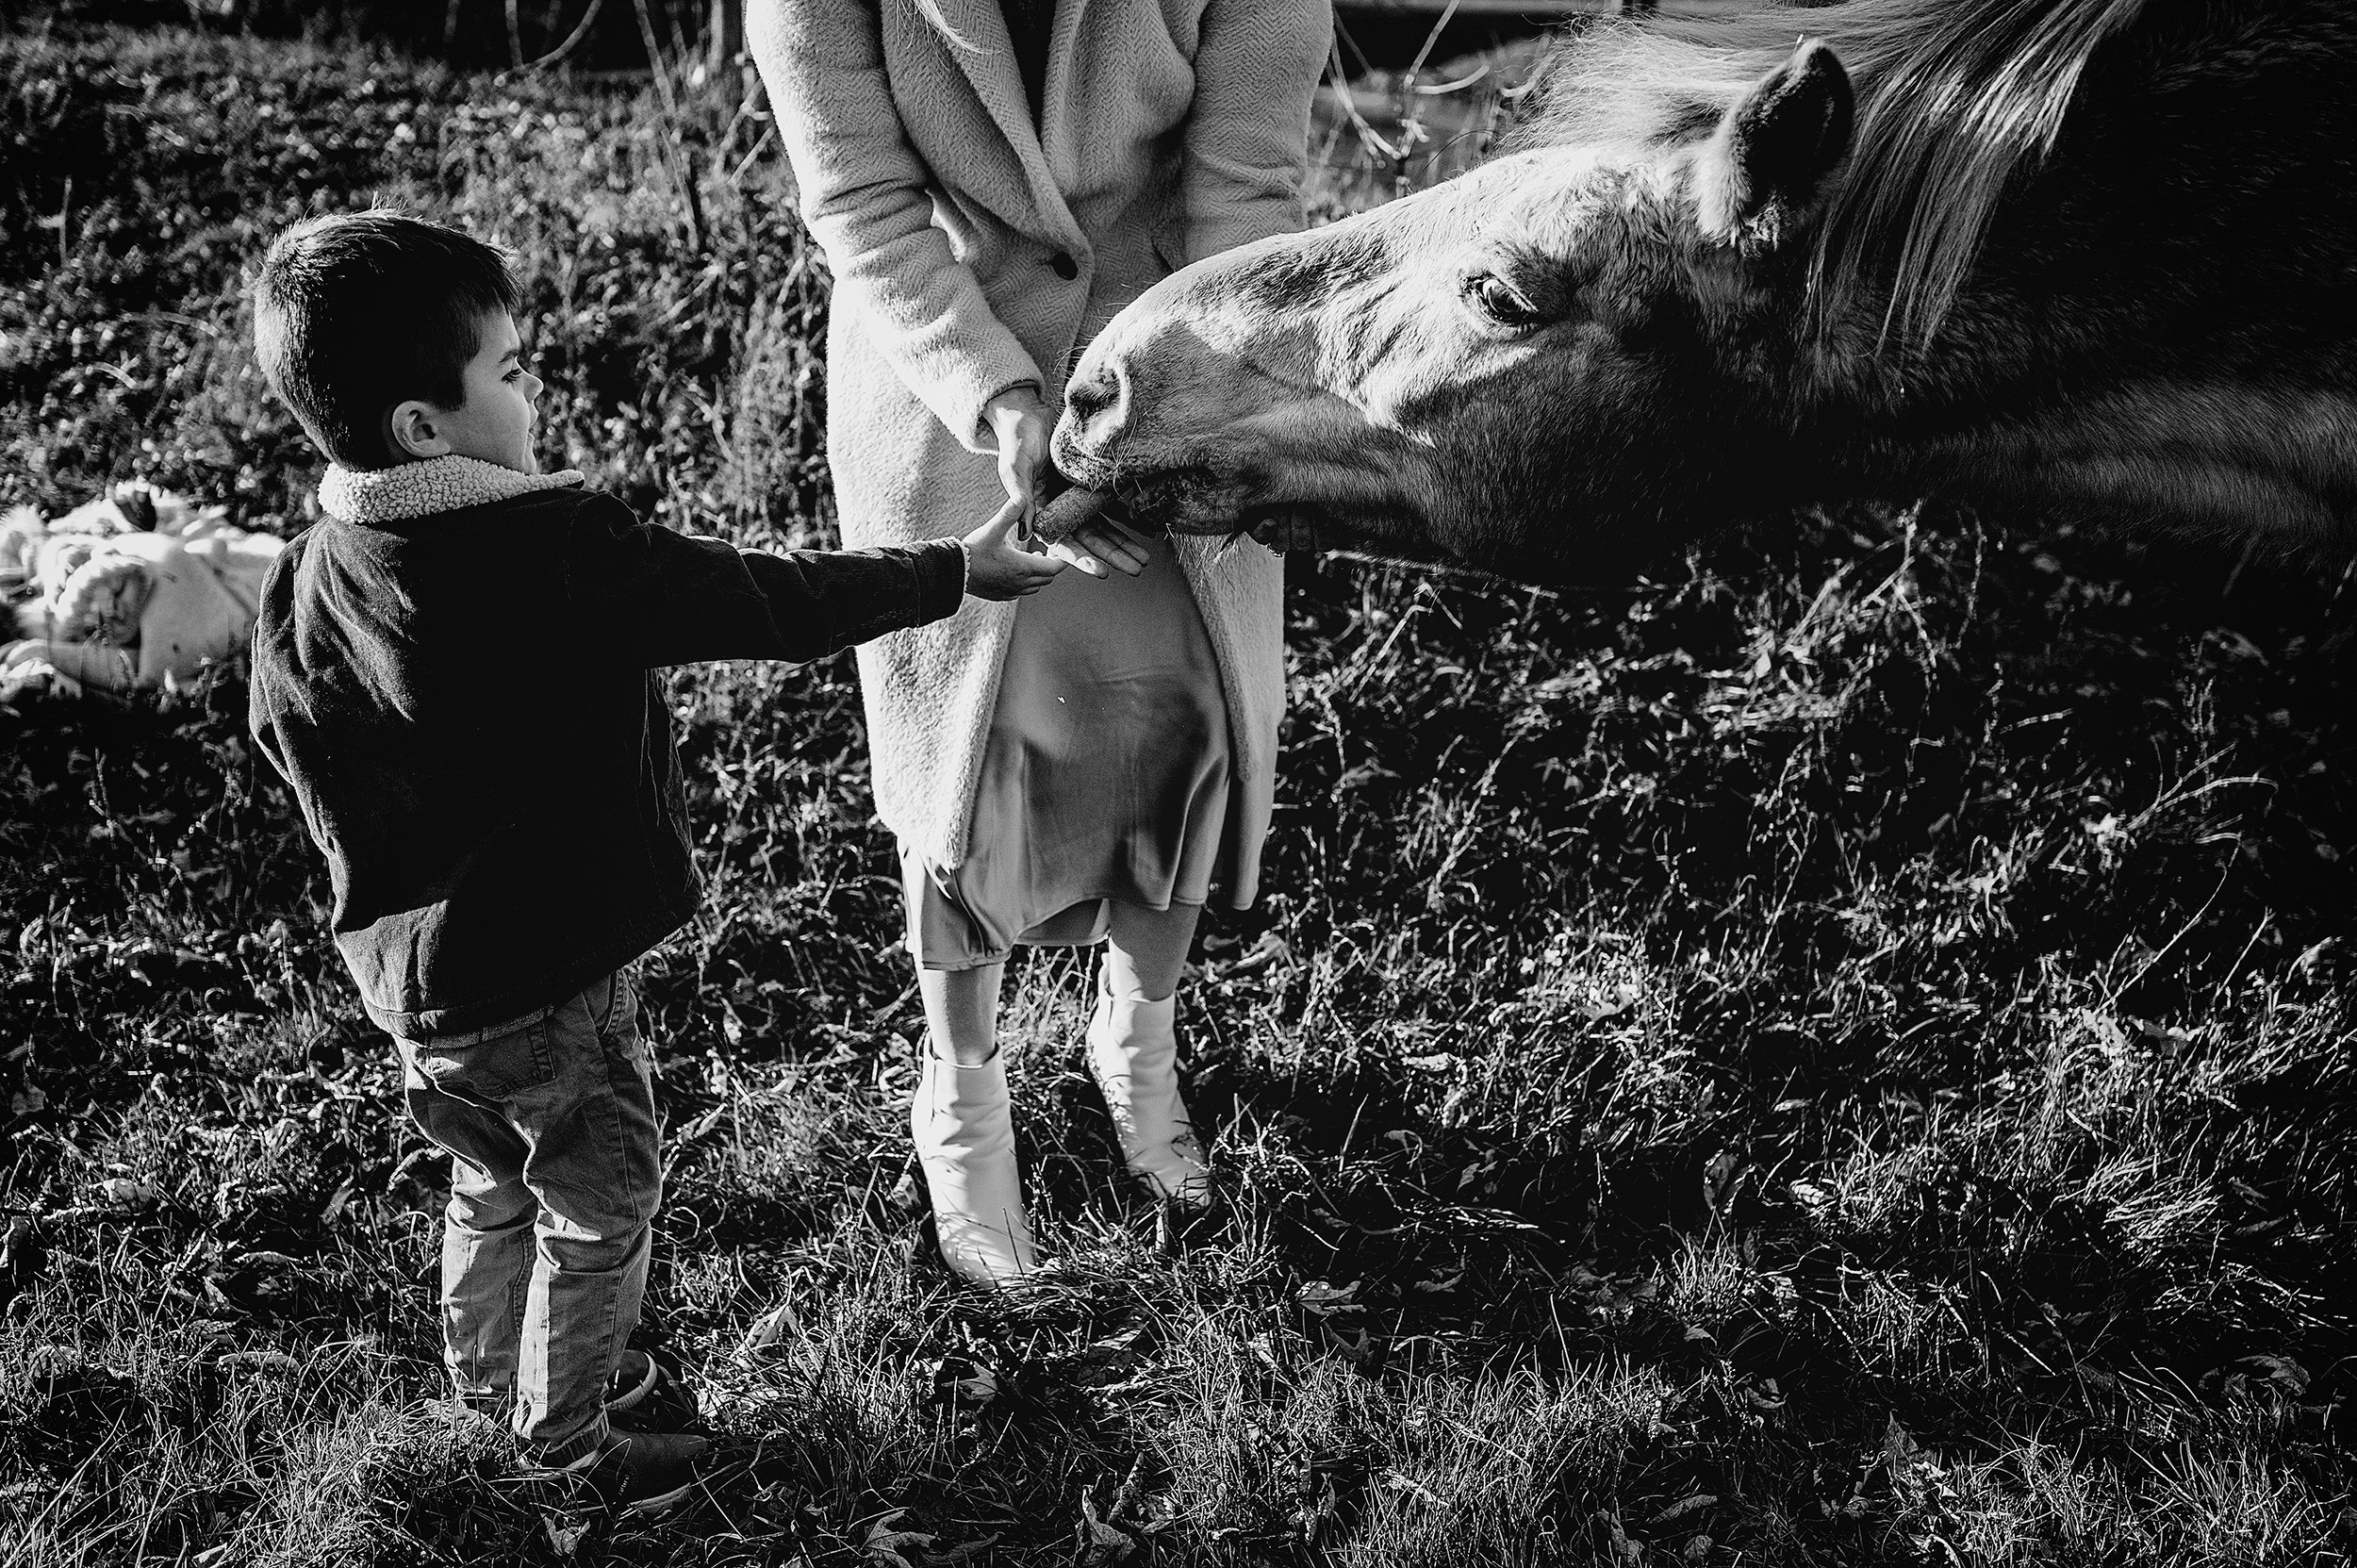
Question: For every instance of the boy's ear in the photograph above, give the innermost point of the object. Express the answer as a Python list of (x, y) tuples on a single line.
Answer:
[(1774, 149), (414, 427)]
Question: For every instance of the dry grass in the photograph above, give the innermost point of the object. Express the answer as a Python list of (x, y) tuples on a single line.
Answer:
[(1838, 1053)]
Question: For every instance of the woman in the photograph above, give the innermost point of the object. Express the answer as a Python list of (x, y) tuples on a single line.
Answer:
[(991, 184)]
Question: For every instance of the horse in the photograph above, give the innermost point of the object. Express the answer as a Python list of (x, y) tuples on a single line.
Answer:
[(2096, 257)]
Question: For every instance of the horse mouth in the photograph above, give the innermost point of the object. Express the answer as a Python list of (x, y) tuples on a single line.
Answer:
[(1291, 526), (1199, 503), (1175, 501)]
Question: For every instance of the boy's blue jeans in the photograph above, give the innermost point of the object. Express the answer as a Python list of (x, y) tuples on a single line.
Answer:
[(555, 1184)]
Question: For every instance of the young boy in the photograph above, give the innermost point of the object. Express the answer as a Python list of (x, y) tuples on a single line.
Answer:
[(451, 670)]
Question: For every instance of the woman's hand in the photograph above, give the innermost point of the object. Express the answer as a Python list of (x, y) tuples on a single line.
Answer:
[(1021, 422), (998, 569), (1077, 528), (1100, 542)]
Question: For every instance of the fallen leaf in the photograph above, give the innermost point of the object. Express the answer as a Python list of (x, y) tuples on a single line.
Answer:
[(565, 1531), (1105, 1543), (767, 1330), (1624, 997), (130, 1194), (1685, 1505), (1271, 949), (265, 1260), (1398, 1482), (2281, 1371), (886, 1544)]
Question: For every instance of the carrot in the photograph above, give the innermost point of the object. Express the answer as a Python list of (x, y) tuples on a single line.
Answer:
[(1068, 511)]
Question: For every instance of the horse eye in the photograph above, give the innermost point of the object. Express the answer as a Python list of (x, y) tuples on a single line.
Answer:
[(1497, 300)]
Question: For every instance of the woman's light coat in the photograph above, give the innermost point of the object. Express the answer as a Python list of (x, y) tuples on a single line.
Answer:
[(1171, 130)]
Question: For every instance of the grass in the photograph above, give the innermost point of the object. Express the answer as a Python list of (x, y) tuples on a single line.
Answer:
[(1839, 1052)]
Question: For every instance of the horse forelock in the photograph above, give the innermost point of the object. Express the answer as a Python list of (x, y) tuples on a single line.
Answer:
[(1956, 97)]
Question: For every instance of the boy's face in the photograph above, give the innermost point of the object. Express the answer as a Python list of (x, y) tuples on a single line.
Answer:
[(495, 422)]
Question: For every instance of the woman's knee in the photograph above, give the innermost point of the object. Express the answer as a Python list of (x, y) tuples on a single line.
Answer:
[(962, 1011), (1146, 952)]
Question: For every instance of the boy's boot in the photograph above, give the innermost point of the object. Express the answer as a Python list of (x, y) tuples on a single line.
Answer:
[(644, 1473), (963, 1120), (1133, 1053), (644, 1396)]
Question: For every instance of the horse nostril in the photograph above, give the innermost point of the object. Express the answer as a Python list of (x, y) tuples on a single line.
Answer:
[(1092, 397)]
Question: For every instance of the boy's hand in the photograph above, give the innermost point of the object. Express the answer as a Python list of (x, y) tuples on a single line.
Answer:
[(998, 569)]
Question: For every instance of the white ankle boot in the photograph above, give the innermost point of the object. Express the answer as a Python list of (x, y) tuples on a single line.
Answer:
[(964, 1123), (1134, 1054)]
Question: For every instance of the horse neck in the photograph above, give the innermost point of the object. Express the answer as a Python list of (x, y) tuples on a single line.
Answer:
[(2170, 281)]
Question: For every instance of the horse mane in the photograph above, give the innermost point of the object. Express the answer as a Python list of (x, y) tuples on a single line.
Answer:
[(1954, 96)]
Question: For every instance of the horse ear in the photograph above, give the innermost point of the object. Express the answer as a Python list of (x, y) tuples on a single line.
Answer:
[(1772, 150)]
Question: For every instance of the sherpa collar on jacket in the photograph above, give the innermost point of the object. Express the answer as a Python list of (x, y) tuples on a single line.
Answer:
[(422, 488)]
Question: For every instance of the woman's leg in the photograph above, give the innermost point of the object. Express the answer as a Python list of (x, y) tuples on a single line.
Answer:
[(1134, 1048), (962, 1121), (1146, 949), (961, 1012)]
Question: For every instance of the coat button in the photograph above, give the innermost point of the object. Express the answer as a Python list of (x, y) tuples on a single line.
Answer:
[(1065, 267)]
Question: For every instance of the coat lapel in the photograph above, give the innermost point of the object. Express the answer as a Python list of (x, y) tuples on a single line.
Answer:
[(1056, 116), (989, 65)]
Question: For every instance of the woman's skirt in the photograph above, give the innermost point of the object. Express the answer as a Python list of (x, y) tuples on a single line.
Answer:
[(1106, 775)]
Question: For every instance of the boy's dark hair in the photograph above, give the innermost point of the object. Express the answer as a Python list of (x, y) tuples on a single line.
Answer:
[(357, 314)]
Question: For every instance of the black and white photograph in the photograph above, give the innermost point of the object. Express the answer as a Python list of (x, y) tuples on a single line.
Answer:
[(1053, 784)]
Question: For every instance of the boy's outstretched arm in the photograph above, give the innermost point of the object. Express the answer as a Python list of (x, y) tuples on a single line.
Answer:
[(659, 598)]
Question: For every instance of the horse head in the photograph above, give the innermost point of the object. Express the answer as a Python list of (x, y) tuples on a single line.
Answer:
[(1736, 276), (1545, 368)]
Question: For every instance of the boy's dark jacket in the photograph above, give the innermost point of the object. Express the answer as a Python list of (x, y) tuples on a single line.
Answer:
[(463, 705)]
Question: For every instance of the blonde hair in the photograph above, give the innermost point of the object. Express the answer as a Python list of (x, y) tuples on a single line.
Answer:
[(938, 20)]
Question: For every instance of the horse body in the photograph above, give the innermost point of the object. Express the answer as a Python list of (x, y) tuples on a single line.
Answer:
[(2095, 256)]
